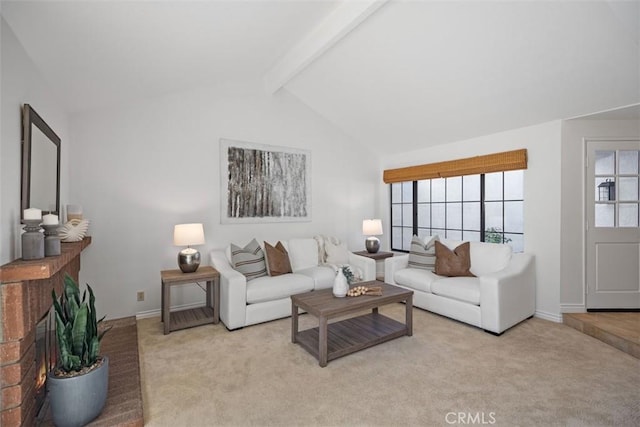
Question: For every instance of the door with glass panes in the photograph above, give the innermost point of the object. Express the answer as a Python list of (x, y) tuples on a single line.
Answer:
[(612, 230)]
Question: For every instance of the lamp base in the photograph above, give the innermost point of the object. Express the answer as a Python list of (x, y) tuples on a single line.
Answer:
[(372, 244), (188, 260)]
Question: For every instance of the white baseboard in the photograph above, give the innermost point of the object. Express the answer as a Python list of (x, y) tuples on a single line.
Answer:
[(147, 314), (573, 308), (553, 317), (157, 312)]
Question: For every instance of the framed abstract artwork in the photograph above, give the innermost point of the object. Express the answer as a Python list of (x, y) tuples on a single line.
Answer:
[(264, 183)]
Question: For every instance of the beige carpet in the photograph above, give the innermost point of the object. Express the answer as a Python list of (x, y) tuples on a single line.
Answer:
[(538, 373)]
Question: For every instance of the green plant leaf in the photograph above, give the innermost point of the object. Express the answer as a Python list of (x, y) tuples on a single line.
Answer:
[(92, 325), (79, 330), (94, 350), (56, 304), (72, 296)]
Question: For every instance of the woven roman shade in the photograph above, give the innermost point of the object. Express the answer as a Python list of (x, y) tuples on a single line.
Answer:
[(497, 162)]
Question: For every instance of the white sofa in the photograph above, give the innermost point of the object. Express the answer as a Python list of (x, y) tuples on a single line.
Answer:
[(266, 298), (502, 294)]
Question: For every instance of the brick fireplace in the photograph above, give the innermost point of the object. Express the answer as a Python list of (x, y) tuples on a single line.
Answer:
[(25, 298)]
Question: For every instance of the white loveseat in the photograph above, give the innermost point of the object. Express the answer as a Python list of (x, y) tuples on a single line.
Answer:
[(501, 295), (266, 298)]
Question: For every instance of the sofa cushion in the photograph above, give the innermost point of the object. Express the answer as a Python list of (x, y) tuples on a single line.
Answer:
[(249, 260), (322, 276), (465, 289), (422, 254), (272, 288), (487, 258), (321, 240), (277, 259), (336, 254), (453, 263), (415, 278), (303, 253)]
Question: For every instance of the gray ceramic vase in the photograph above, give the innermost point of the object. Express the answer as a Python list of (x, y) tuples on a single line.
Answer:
[(78, 400)]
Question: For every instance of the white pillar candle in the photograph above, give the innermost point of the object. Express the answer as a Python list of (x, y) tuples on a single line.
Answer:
[(32, 213), (50, 219)]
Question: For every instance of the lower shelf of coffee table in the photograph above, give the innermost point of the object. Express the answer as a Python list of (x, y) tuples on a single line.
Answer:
[(351, 335)]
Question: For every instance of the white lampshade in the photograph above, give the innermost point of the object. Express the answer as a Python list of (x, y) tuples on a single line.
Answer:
[(188, 235), (372, 227)]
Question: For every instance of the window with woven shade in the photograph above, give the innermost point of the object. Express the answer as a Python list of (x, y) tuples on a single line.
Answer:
[(475, 199)]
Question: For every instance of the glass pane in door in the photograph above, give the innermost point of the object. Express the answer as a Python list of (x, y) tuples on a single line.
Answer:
[(628, 214), (628, 162), (605, 162), (628, 188), (605, 215)]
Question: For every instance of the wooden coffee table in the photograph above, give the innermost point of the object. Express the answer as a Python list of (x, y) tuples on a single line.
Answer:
[(330, 341)]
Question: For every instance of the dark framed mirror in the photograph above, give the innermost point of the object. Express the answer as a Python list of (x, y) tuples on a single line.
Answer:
[(40, 164)]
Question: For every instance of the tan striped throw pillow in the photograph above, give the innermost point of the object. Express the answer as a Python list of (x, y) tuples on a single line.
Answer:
[(423, 254), (249, 260)]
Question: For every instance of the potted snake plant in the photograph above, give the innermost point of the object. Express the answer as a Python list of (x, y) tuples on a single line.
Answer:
[(78, 384)]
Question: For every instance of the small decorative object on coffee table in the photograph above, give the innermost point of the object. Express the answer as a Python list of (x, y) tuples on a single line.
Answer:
[(365, 290), (209, 313), (330, 341), (340, 285)]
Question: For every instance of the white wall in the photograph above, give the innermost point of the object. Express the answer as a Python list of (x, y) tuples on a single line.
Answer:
[(574, 132), (21, 83), (140, 169), (541, 196)]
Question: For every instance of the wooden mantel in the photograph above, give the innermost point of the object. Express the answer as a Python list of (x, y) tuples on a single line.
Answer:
[(20, 270)]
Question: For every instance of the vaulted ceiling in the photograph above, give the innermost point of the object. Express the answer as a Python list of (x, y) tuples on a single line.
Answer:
[(396, 75)]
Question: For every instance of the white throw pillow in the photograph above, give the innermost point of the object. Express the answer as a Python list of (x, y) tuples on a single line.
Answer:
[(336, 254), (303, 253)]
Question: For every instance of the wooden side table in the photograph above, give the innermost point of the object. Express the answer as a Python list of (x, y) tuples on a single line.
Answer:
[(209, 313), (378, 256)]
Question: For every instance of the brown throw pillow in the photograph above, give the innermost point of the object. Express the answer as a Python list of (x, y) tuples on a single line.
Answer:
[(453, 263), (278, 259)]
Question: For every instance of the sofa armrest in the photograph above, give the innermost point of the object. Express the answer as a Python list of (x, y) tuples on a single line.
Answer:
[(367, 265), (393, 264), (233, 291), (508, 296)]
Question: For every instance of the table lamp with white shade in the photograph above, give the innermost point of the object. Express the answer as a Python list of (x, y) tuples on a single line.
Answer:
[(188, 235), (372, 228)]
